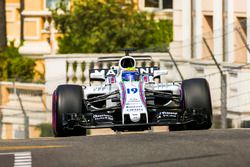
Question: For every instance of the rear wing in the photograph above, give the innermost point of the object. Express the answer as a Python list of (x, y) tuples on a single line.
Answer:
[(117, 58)]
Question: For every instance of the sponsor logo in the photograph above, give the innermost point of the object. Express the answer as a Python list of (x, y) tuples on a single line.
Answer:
[(110, 72), (135, 117), (105, 72), (132, 99), (166, 114), (147, 70), (103, 117), (134, 108)]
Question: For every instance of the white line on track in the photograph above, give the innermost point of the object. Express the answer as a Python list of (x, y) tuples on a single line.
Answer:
[(21, 159), (22, 153)]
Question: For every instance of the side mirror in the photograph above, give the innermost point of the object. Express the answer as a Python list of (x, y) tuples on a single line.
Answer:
[(158, 73)]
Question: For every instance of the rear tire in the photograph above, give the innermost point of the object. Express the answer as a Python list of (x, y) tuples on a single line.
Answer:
[(196, 95), (67, 99)]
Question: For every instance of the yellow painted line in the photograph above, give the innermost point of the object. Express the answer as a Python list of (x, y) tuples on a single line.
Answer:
[(31, 139), (31, 147), (46, 138)]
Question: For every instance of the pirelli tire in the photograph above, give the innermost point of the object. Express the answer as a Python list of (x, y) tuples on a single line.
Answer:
[(67, 99), (196, 95)]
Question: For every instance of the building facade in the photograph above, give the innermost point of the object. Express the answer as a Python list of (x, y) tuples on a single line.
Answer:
[(222, 23), (38, 30), (36, 19), (29, 21), (221, 28)]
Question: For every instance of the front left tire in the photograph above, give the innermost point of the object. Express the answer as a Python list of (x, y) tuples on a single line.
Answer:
[(67, 99), (196, 95)]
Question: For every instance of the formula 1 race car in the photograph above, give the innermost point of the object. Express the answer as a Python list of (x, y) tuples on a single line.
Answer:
[(130, 100)]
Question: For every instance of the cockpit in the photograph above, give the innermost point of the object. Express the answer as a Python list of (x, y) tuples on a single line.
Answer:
[(130, 76)]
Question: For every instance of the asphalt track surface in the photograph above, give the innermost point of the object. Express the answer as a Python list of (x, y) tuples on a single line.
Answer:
[(186, 148)]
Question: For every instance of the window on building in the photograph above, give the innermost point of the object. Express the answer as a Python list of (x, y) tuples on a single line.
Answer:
[(152, 3), (158, 4), (167, 4), (245, 124), (52, 4), (209, 24), (242, 25), (207, 28)]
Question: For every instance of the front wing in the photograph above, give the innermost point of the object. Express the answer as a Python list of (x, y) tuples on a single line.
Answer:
[(179, 118)]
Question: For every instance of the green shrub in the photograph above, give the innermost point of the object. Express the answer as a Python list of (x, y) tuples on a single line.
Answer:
[(14, 66), (103, 26), (46, 130)]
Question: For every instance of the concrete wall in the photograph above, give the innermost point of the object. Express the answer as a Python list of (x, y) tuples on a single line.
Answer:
[(32, 100)]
